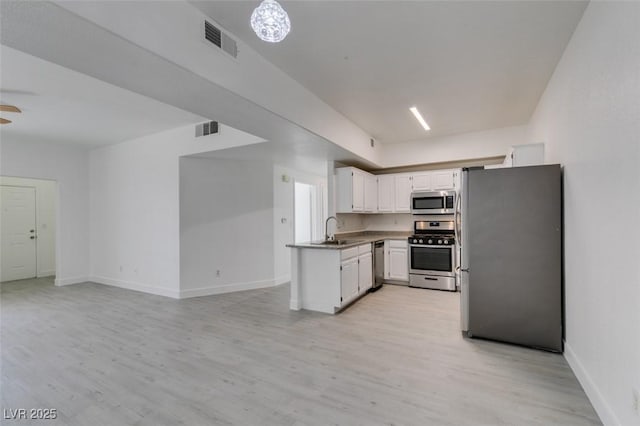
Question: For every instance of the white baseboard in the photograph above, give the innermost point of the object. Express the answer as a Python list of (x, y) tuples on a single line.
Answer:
[(68, 281), (46, 273), (295, 305), (226, 288), (130, 285), (603, 410), (282, 280)]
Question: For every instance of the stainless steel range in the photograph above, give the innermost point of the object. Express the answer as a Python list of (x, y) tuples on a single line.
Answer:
[(432, 255)]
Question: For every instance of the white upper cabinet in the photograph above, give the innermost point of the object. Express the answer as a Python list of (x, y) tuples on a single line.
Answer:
[(436, 180), (358, 191), (527, 155), (403, 193), (422, 181), (443, 180), (386, 193), (350, 190), (522, 155), (370, 193)]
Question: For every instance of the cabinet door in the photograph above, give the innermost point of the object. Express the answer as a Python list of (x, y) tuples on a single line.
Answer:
[(370, 194), (527, 155), (422, 181), (386, 193), (358, 191), (443, 180), (398, 264), (365, 272), (403, 194), (349, 280)]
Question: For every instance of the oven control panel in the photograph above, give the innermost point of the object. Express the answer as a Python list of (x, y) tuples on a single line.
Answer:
[(432, 240)]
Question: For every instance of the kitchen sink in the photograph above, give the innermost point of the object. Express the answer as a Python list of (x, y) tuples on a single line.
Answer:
[(335, 242)]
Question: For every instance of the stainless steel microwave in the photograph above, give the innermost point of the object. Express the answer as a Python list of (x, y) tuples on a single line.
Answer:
[(433, 202)]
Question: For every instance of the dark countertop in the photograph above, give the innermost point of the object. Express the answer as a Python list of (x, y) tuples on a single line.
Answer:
[(355, 239)]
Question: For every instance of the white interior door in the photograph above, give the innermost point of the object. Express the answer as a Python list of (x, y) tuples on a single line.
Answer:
[(17, 233), (303, 205)]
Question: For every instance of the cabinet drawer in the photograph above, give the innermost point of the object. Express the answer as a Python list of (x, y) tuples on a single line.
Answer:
[(365, 248), (348, 253), (398, 244)]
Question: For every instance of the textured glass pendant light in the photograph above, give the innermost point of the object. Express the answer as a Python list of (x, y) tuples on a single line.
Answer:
[(270, 21)]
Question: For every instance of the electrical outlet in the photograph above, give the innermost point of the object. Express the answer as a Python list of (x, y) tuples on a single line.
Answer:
[(120, 268), (217, 272), (635, 400)]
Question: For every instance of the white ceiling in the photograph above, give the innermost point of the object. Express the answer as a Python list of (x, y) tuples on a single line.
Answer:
[(61, 105), (467, 66)]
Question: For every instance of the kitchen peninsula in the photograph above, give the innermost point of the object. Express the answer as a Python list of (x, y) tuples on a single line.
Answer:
[(327, 276)]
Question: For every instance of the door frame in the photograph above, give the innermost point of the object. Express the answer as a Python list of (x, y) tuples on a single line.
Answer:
[(56, 209), (319, 207)]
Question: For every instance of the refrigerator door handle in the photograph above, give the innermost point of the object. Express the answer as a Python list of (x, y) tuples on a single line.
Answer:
[(456, 217)]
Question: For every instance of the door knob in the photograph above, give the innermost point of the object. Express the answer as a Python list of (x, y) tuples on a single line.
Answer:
[(33, 230), (32, 237)]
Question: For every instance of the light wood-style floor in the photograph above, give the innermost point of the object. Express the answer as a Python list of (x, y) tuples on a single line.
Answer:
[(106, 356)]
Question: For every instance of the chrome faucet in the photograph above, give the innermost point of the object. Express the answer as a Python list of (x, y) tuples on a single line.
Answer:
[(326, 228)]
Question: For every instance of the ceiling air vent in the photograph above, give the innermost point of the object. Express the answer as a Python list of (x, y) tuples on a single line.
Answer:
[(209, 128), (220, 39)]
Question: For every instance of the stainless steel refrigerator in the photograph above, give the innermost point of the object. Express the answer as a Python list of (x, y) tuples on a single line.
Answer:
[(511, 255)]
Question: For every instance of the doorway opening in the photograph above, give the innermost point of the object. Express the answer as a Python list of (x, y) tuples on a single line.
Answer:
[(308, 212), (27, 228)]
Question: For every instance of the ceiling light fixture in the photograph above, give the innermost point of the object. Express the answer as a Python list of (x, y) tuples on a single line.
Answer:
[(270, 21), (418, 116), (8, 108)]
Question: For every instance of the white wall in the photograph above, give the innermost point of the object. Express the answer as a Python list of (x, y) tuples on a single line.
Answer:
[(68, 166), (589, 119), (173, 30), (135, 231), (464, 146), (45, 221), (226, 237)]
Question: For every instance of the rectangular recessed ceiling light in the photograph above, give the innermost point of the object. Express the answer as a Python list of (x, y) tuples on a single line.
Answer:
[(416, 113)]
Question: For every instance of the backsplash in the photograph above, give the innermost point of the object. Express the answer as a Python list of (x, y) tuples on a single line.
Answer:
[(388, 222), (350, 222)]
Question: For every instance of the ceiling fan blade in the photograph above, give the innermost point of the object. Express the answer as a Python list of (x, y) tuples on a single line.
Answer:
[(4, 121), (9, 108)]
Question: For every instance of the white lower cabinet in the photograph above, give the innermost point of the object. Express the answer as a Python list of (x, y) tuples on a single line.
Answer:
[(356, 272), (396, 260), (365, 272), (348, 280)]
